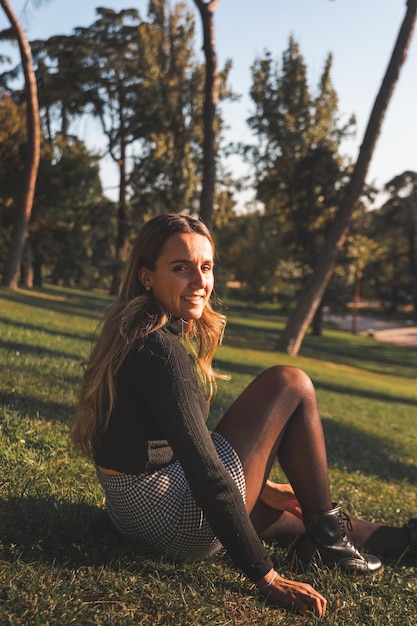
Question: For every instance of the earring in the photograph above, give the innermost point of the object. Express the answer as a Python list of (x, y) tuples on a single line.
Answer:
[(147, 288)]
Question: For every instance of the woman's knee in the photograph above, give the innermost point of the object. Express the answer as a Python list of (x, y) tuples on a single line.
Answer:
[(290, 378)]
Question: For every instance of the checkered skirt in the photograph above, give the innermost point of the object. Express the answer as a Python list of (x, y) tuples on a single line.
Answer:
[(159, 511)]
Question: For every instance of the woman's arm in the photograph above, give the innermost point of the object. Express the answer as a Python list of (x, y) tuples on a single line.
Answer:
[(166, 379)]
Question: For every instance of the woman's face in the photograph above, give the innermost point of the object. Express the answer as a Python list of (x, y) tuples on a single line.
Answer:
[(182, 280)]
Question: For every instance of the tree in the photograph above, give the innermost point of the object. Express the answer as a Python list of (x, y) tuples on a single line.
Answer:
[(142, 80), (403, 208), (359, 252), (293, 334), (211, 99), (12, 136), (138, 78), (71, 219), (249, 252), (109, 79), (31, 155), (167, 170), (395, 226), (299, 169), (58, 67)]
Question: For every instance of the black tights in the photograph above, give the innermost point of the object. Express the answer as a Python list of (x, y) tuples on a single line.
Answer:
[(277, 416)]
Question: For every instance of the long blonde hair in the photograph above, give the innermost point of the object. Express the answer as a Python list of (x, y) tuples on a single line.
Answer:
[(135, 314)]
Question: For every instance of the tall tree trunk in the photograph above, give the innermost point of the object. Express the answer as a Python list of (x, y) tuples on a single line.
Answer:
[(122, 241), (318, 321), (24, 201), (299, 321), (26, 266), (212, 89)]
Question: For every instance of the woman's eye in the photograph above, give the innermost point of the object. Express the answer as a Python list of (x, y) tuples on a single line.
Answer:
[(206, 268), (180, 268)]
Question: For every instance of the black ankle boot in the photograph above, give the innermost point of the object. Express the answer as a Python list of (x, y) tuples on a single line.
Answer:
[(326, 538)]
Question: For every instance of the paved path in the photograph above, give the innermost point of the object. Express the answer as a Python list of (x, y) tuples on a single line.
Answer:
[(381, 331)]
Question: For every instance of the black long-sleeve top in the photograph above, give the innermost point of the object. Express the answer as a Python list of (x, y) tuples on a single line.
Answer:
[(160, 416)]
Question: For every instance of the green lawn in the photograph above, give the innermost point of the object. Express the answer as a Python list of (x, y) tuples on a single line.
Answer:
[(61, 562)]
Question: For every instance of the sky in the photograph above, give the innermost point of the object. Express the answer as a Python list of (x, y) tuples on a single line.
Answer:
[(360, 34)]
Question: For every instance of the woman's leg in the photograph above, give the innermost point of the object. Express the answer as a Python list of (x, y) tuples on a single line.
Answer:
[(284, 528), (277, 416)]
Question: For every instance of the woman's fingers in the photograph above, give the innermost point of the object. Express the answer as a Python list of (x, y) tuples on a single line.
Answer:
[(301, 595), (311, 602)]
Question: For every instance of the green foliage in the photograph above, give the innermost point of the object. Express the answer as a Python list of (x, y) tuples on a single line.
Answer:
[(141, 79), (12, 139), (167, 173), (249, 249), (61, 96), (299, 168), (62, 562), (394, 225), (71, 218)]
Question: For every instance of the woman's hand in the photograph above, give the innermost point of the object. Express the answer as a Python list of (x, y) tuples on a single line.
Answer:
[(290, 593), (281, 497)]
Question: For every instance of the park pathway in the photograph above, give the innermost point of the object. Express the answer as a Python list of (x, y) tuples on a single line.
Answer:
[(401, 335)]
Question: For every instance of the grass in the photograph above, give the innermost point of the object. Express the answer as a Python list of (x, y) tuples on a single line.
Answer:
[(61, 561)]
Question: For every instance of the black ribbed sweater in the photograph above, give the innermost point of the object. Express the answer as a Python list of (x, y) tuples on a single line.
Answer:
[(160, 415)]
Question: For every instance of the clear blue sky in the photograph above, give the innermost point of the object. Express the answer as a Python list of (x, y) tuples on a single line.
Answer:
[(359, 33)]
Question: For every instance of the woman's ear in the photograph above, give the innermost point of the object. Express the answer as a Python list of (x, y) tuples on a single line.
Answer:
[(145, 277)]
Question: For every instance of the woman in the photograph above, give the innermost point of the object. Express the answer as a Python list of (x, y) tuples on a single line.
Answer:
[(179, 489)]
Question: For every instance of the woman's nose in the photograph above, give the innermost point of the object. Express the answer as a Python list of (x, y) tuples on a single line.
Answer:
[(198, 278)]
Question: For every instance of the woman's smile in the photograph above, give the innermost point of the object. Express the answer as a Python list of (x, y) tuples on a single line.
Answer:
[(182, 280)]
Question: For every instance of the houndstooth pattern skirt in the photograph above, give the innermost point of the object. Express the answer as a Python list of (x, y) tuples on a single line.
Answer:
[(159, 511)]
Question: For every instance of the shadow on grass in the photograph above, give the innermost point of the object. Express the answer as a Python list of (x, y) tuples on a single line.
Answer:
[(361, 352), (35, 408), (47, 331), (254, 370), (237, 368), (349, 448), (366, 393), (83, 304), (60, 533), (339, 347), (39, 351), (74, 535), (240, 335)]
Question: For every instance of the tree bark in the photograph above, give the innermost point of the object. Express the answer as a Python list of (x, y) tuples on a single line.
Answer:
[(24, 202), (297, 325), (318, 321), (122, 242), (212, 89)]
